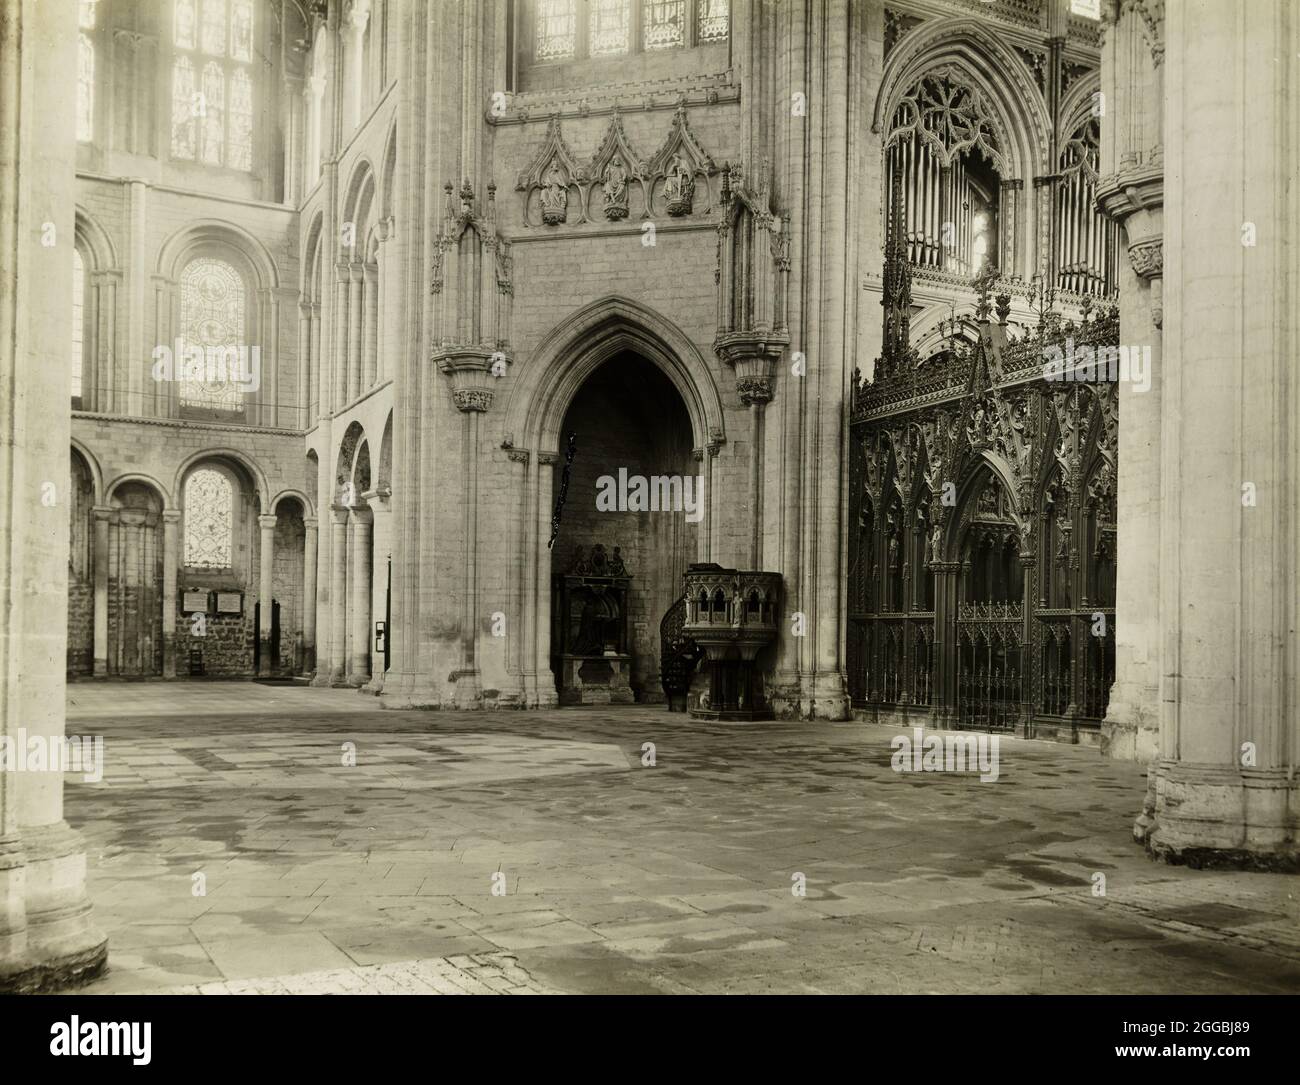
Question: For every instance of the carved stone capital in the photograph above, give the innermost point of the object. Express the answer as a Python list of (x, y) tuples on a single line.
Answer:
[(1147, 257), (472, 399), (754, 390), (548, 459)]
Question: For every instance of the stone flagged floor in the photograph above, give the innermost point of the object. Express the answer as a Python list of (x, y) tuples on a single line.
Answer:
[(624, 877)]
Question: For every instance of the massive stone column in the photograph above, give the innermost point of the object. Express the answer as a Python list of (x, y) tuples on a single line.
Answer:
[(171, 544), (1224, 786), (309, 595), (338, 595), (381, 547), (1131, 192), (47, 936), (103, 517), (266, 569), (359, 598)]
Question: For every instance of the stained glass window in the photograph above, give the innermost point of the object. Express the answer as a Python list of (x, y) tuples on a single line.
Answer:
[(184, 114), (78, 318), (713, 20), (241, 30), (212, 119), (240, 140), (557, 33), (212, 30), (209, 519), (608, 31), (664, 22), (213, 305), (183, 29), (212, 112)]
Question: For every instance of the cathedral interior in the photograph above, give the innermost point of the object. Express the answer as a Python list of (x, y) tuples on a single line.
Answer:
[(683, 364)]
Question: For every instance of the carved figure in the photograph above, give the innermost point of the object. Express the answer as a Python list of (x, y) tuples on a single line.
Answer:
[(615, 186), (679, 187), (555, 197)]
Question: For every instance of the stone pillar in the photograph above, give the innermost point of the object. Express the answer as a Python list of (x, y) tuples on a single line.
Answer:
[(381, 547), (338, 595), (309, 595), (353, 31), (359, 598), (304, 362), (47, 936), (356, 322), (104, 515), (1131, 192), (548, 694), (171, 550), (755, 393), (312, 93), (266, 569), (369, 325), (340, 340), (1223, 789)]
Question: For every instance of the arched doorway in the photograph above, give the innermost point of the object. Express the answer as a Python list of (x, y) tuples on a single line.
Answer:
[(632, 505)]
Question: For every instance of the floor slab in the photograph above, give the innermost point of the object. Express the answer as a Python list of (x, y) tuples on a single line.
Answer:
[(230, 847)]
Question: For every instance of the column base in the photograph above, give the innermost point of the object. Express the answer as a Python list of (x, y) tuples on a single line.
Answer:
[(410, 691), (824, 696), (63, 947), (1212, 816), (1131, 729)]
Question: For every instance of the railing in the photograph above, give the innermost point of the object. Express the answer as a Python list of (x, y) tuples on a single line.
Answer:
[(678, 654)]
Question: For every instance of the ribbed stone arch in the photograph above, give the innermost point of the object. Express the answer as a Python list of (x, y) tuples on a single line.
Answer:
[(991, 67), (577, 346)]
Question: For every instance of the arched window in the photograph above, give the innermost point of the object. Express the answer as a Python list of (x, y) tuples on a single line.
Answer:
[(214, 319), (86, 72), (209, 519), (78, 323), (213, 122)]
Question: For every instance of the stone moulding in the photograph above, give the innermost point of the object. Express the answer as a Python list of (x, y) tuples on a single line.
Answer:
[(597, 101)]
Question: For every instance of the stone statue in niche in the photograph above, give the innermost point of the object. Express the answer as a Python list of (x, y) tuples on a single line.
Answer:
[(615, 186), (555, 197), (679, 187)]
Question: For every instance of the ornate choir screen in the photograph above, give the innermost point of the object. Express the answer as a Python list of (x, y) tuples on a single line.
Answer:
[(982, 532)]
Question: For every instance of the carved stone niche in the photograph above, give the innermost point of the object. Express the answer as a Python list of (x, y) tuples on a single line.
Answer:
[(613, 173), (589, 640), (680, 172), (753, 272), (550, 179), (471, 340)]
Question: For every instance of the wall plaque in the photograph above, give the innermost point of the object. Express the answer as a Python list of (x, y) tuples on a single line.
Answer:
[(230, 602)]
